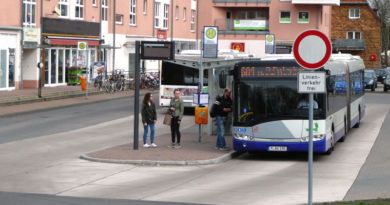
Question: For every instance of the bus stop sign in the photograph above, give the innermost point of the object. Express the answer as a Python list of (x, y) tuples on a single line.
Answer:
[(312, 49)]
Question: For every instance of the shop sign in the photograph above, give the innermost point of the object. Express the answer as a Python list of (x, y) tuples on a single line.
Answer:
[(240, 24), (82, 46), (161, 34), (238, 46), (30, 34)]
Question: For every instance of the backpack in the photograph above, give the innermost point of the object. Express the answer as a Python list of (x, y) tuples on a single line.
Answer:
[(214, 109)]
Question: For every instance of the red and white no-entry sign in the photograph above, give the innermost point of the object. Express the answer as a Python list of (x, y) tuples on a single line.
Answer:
[(312, 49)]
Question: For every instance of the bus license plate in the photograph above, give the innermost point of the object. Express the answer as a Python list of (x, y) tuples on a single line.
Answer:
[(277, 148)]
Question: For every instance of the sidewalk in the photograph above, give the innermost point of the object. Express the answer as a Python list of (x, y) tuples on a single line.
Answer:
[(26, 100), (191, 152)]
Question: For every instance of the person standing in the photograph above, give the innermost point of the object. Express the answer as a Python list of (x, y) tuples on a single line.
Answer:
[(149, 118), (176, 108), (224, 107)]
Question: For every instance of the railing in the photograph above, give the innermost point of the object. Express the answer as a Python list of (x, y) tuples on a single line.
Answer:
[(226, 26), (242, 1)]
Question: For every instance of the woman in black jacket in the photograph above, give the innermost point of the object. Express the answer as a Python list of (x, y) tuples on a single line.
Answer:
[(149, 118)]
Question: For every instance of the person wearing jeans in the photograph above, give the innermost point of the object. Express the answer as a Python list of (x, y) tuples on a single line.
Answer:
[(149, 118), (221, 143), (225, 104)]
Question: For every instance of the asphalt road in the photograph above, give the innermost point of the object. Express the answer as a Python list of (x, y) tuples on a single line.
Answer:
[(9, 198), (53, 121)]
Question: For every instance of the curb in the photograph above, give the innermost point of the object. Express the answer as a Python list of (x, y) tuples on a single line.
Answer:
[(46, 98), (217, 160), (63, 106)]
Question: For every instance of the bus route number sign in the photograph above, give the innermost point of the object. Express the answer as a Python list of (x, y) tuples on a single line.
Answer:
[(266, 72), (311, 82)]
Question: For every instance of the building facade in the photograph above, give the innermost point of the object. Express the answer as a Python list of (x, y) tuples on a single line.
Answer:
[(247, 22), (33, 31), (356, 30), (10, 46)]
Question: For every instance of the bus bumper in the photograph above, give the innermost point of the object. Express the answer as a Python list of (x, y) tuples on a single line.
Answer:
[(243, 146)]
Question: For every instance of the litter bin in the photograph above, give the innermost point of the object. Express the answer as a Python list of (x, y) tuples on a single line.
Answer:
[(201, 115), (83, 82)]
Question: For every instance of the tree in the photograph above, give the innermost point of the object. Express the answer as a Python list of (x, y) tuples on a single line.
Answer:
[(382, 7)]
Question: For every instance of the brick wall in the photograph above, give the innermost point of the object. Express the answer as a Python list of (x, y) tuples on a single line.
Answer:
[(368, 24)]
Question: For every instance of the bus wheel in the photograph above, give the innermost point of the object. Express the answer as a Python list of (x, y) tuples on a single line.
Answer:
[(332, 144), (357, 125), (345, 132)]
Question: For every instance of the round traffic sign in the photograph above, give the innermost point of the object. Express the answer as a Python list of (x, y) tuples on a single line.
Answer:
[(312, 49)]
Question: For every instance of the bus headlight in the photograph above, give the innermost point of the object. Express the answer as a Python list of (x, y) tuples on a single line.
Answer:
[(243, 137), (315, 138)]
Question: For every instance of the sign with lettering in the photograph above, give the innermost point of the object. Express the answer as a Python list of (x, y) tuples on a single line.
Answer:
[(210, 42), (311, 82), (269, 72), (157, 50)]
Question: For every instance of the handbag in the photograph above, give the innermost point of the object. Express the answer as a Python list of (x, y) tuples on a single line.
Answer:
[(167, 119)]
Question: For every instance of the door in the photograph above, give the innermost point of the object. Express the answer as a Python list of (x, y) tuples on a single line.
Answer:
[(3, 68)]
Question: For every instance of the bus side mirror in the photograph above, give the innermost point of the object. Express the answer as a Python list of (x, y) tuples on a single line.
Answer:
[(222, 79)]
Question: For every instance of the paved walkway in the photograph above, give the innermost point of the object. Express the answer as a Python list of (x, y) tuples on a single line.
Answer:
[(192, 152)]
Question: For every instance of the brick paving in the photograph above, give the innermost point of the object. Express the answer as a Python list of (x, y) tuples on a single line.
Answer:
[(192, 152)]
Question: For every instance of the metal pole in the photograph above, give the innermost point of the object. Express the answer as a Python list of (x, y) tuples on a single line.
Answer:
[(136, 94), (42, 57), (310, 202), (201, 85), (87, 77), (113, 39)]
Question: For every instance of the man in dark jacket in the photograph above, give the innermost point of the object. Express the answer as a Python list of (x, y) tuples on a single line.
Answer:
[(225, 104)]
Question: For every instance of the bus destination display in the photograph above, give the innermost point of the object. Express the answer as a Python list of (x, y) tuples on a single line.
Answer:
[(261, 72)]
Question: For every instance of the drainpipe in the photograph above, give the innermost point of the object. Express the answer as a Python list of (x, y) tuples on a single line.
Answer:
[(318, 17), (21, 46), (154, 19), (113, 39), (171, 20)]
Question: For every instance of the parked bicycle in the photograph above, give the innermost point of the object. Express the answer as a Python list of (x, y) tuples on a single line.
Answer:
[(115, 82)]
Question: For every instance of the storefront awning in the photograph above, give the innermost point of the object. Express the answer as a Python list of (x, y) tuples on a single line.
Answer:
[(72, 42)]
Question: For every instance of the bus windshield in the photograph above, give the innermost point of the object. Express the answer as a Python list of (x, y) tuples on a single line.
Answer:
[(273, 99)]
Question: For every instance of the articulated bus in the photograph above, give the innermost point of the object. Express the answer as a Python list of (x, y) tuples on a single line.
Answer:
[(266, 111)]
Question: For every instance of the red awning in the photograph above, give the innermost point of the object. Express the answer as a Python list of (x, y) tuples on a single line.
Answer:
[(72, 42)]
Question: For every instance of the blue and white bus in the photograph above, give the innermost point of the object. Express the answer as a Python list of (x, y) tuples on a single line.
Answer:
[(266, 115)]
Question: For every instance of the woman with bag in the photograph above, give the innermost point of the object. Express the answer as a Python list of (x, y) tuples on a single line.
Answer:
[(149, 118), (176, 108)]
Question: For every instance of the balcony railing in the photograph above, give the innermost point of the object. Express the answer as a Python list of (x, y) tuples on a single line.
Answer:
[(244, 27), (349, 45), (242, 1)]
